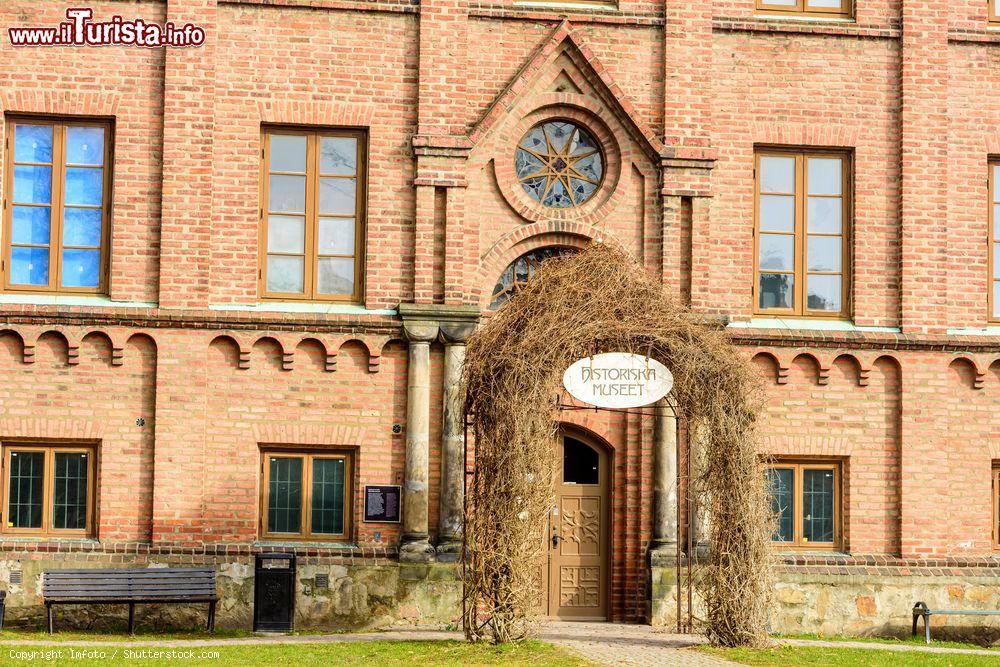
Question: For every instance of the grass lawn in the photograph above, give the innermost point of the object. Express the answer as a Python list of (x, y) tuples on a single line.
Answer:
[(409, 653), (116, 635), (915, 641), (809, 656)]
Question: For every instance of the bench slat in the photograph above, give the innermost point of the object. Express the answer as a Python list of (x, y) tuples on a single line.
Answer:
[(130, 585)]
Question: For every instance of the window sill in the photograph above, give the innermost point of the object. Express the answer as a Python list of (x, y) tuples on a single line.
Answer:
[(990, 330), (810, 25), (346, 547), (45, 539), (805, 18), (300, 307), (793, 324), (71, 300)]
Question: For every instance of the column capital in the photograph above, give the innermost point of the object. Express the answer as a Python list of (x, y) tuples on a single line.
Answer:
[(423, 322)]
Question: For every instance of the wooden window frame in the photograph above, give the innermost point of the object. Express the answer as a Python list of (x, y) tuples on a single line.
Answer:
[(57, 205), (993, 241), (800, 252), (48, 506), (307, 454), (798, 543), (311, 256), (993, 11), (995, 487), (802, 8)]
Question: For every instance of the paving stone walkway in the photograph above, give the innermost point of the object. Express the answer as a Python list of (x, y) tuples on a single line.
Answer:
[(602, 643)]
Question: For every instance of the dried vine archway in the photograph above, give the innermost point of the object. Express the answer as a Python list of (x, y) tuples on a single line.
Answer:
[(601, 300)]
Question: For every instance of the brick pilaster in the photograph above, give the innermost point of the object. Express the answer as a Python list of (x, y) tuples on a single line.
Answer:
[(188, 155)]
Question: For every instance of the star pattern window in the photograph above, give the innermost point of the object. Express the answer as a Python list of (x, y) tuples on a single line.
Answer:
[(559, 164)]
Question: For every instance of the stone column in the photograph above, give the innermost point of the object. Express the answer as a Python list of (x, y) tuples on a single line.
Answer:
[(452, 505), (664, 541), (414, 544)]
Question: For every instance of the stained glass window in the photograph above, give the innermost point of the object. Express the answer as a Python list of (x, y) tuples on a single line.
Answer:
[(559, 164), (521, 270)]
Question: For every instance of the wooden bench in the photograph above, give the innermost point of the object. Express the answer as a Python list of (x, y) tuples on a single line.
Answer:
[(920, 609), (149, 585)]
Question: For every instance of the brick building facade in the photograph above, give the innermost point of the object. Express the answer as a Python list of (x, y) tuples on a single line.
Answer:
[(259, 308)]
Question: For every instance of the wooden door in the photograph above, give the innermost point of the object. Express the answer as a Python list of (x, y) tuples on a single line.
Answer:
[(577, 573)]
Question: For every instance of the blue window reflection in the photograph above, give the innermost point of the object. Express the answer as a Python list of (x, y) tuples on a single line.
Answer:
[(84, 186), (81, 268), (29, 266), (32, 143), (82, 226), (85, 145), (32, 185), (30, 225)]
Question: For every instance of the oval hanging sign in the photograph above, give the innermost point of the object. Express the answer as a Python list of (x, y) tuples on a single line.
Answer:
[(618, 380)]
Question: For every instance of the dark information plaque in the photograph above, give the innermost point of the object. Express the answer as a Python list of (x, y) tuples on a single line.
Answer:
[(382, 504)]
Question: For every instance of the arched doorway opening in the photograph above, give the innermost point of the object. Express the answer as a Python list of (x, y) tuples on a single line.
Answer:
[(577, 561)]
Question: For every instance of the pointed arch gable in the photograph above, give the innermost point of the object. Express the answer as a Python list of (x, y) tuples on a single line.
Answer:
[(564, 42)]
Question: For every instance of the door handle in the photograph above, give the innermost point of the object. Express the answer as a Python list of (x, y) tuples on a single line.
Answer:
[(555, 540)]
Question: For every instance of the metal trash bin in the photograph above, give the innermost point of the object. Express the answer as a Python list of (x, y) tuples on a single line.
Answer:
[(274, 593)]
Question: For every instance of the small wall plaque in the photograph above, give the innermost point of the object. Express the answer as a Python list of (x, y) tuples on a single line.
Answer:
[(382, 503)]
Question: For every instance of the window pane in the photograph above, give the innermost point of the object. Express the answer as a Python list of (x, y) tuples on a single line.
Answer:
[(782, 3), (82, 226), (338, 155), (30, 224), (29, 266), (336, 196), (26, 480), (824, 293), (777, 213), (825, 254), (817, 505), (287, 193), (285, 274), (776, 290), (85, 145), (825, 215), (81, 268), (824, 176), (336, 236), (286, 233), (84, 186), (823, 4), (336, 275), (32, 185), (996, 299), (328, 496), (996, 260), (777, 252), (996, 222), (996, 183), (780, 486), (581, 464), (777, 174), (33, 143), (288, 153), (70, 491), (284, 495)]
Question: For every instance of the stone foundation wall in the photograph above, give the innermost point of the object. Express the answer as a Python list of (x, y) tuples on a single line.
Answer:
[(368, 595), (860, 604)]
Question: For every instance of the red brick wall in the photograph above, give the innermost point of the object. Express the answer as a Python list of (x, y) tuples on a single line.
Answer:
[(908, 88)]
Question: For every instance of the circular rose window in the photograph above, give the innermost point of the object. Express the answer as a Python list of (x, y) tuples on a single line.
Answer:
[(559, 164)]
